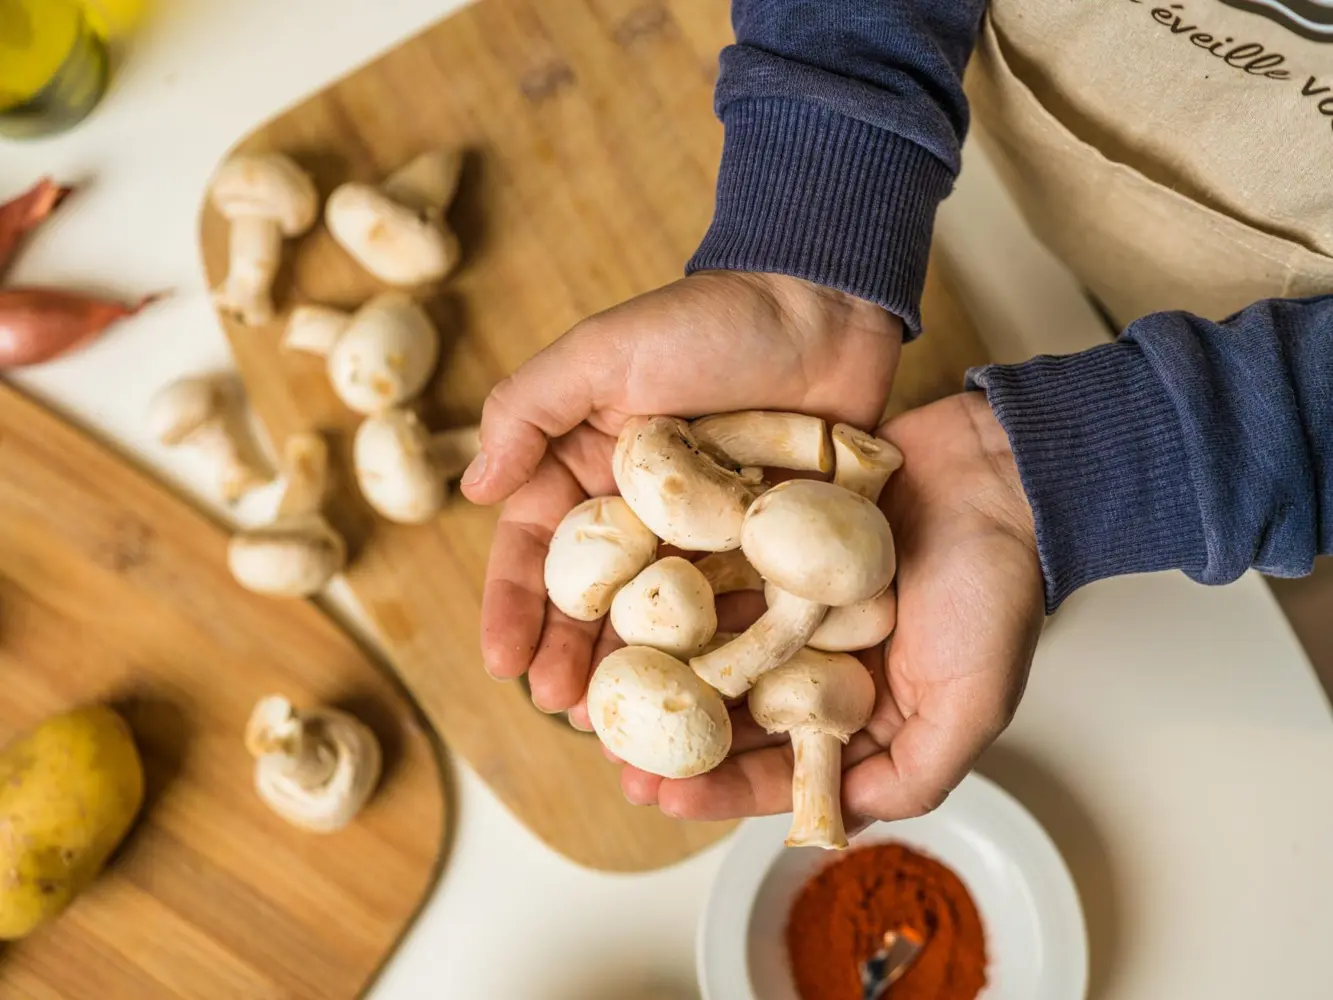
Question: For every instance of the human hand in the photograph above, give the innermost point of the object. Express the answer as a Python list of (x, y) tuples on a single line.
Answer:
[(970, 608), (709, 343)]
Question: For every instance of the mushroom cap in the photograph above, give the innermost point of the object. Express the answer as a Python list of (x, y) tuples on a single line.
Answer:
[(684, 495), (820, 541), (266, 186), (650, 710), (831, 692), (391, 456), (398, 244), (181, 407), (293, 558), (668, 606), (386, 355), (598, 548), (356, 766), (853, 626)]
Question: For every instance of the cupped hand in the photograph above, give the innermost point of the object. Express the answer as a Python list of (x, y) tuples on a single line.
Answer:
[(712, 342), (970, 607)]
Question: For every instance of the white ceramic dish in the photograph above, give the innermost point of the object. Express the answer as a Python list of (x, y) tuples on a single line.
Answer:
[(1035, 935)]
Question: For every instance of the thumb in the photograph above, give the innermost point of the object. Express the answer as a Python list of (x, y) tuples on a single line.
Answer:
[(551, 394)]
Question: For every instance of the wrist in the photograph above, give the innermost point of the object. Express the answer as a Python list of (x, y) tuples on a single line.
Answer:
[(805, 191)]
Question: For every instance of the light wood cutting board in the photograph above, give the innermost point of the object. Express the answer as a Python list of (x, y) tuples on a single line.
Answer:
[(112, 589), (592, 152)]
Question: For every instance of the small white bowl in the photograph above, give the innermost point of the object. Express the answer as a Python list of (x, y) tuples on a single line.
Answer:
[(1036, 941)]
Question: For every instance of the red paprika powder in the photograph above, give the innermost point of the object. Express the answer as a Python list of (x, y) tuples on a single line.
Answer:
[(839, 919)]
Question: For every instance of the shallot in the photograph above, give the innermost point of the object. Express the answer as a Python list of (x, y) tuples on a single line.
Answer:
[(38, 324), (23, 214)]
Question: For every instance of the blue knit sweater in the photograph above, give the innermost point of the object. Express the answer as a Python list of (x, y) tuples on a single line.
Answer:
[(1186, 444)]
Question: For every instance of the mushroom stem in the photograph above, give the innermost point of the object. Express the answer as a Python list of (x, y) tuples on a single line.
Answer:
[(453, 450), (305, 758), (728, 572), (863, 463), (254, 253), (758, 437), (197, 412), (780, 631), (299, 552), (428, 183), (315, 329), (305, 462), (816, 791), (315, 769)]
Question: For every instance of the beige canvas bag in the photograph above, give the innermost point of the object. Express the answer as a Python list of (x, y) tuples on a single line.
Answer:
[(1174, 155)]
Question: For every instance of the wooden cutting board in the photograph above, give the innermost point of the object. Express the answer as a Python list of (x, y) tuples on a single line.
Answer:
[(592, 152), (112, 589)]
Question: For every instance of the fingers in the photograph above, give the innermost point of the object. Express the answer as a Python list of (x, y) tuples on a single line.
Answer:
[(513, 605), (558, 675), (548, 396)]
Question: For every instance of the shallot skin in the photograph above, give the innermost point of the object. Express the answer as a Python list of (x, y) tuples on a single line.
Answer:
[(21, 215), (38, 324)]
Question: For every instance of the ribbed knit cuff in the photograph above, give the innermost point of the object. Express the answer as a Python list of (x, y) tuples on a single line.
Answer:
[(1103, 462), (811, 193)]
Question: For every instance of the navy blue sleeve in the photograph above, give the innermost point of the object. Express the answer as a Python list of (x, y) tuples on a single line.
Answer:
[(843, 122), (1186, 444)]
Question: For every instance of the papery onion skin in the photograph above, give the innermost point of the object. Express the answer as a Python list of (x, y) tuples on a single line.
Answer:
[(21, 215), (38, 324)]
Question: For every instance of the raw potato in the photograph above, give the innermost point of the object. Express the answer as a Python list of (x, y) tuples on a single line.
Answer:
[(69, 792)]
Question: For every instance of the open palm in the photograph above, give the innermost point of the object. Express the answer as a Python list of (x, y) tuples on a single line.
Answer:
[(969, 614), (711, 342)]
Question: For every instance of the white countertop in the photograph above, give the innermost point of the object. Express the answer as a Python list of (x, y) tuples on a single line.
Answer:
[(1173, 739)]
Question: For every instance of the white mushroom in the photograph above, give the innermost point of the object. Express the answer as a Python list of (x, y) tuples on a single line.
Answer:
[(299, 552), (651, 711), (820, 541), (314, 768), (822, 546), (863, 462), (198, 412), (766, 439), (684, 495), (598, 548), (821, 699), (856, 626), (397, 231), (668, 606), (403, 469), (728, 572), (315, 329), (266, 198), (381, 356)]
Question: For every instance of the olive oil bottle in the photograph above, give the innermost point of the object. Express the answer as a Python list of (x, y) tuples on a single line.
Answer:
[(53, 66)]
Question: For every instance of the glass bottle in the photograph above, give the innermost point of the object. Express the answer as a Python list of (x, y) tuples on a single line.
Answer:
[(53, 66)]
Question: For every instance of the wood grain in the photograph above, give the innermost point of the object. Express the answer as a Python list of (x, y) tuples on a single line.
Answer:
[(112, 589), (592, 153)]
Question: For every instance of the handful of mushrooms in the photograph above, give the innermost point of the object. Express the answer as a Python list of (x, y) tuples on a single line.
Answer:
[(822, 552)]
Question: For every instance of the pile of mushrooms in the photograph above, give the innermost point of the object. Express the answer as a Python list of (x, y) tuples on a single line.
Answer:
[(379, 359), (821, 551)]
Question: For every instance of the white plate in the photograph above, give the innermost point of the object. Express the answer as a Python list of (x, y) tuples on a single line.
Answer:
[(1035, 937)]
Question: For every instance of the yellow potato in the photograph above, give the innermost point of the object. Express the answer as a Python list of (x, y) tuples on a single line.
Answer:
[(69, 791)]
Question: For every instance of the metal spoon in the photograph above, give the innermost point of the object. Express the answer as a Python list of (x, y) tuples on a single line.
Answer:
[(886, 966)]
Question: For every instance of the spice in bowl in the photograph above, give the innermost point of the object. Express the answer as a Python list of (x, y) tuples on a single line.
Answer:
[(840, 916)]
